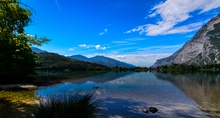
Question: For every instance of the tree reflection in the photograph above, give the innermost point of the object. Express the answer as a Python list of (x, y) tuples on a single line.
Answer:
[(203, 88)]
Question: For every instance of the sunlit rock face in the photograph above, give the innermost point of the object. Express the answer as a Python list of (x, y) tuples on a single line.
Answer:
[(202, 49)]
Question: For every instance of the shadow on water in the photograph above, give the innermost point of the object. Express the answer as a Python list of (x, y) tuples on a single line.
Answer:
[(203, 88)]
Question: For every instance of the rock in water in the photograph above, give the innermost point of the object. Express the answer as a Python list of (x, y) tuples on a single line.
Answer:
[(153, 109)]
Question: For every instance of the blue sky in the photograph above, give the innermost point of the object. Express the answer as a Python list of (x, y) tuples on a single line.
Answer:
[(134, 31)]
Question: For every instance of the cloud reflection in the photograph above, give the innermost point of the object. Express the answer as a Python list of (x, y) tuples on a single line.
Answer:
[(125, 96)]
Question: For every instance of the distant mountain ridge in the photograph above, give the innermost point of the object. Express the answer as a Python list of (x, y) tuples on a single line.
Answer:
[(37, 50), (80, 57), (202, 49), (109, 62)]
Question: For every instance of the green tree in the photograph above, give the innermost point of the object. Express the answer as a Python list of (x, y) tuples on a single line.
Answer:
[(16, 57)]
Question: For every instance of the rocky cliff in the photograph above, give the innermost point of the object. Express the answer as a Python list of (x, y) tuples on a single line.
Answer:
[(203, 48)]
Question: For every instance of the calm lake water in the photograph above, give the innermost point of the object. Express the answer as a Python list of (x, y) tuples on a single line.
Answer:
[(125, 94)]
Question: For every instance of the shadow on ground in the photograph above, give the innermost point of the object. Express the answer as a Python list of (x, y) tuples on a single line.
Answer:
[(16, 103)]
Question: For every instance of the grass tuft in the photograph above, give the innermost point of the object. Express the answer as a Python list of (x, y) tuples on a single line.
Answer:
[(75, 105)]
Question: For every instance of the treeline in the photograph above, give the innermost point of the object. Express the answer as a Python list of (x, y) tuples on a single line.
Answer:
[(52, 61), (136, 69), (181, 68)]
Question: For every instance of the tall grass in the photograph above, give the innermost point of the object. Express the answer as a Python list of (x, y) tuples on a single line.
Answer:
[(76, 105)]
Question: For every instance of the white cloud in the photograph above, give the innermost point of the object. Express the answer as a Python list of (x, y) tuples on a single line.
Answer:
[(126, 42), (122, 44), (86, 46), (71, 49), (98, 47), (189, 36), (103, 48), (105, 31), (161, 47), (119, 42), (141, 59), (186, 28), (82, 45), (101, 33), (120, 56), (173, 12), (135, 39), (58, 5)]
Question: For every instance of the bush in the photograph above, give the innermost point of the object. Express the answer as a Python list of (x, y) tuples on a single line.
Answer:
[(75, 105)]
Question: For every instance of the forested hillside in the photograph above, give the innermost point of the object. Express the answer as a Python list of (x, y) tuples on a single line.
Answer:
[(55, 61)]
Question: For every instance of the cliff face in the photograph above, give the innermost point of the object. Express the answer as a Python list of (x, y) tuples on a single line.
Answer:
[(202, 49)]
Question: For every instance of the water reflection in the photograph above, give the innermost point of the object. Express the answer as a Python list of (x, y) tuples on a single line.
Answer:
[(123, 95), (203, 88)]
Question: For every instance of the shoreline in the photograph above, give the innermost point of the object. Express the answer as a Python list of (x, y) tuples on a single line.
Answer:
[(23, 86)]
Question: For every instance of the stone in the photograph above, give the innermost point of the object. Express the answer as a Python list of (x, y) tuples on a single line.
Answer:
[(153, 109)]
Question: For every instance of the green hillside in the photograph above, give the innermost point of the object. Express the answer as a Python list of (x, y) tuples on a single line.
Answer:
[(58, 62)]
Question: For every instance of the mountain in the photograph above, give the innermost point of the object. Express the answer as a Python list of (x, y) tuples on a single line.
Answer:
[(37, 50), (109, 62), (202, 49), (56, 61), (80, 57)]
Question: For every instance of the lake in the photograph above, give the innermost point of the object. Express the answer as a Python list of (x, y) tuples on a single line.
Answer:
[(125, 94)]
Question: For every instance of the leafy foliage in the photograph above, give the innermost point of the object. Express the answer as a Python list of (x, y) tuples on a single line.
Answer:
[(16, 57)]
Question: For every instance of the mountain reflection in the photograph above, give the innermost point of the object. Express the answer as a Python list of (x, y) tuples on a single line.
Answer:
[(102, 78), (203, 88), (125, 94)]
